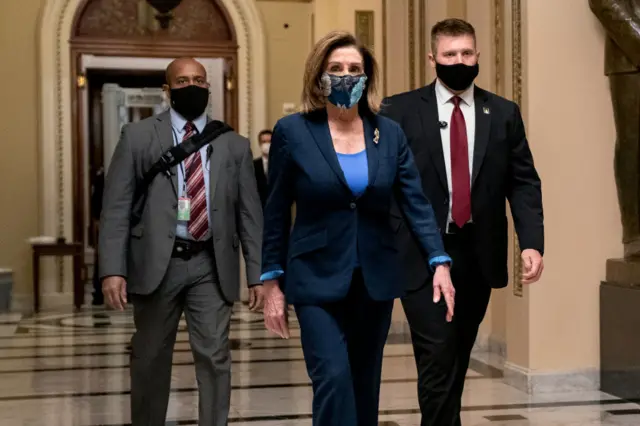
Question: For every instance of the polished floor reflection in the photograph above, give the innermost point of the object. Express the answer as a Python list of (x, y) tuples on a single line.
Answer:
[(71, 369)]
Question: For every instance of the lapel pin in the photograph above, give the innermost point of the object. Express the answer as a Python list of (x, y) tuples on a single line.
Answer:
[(376, 136), (486, 110)]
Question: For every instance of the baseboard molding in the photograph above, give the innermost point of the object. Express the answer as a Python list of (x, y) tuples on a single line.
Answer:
[(23, 302), (533, 382), (490, 344)]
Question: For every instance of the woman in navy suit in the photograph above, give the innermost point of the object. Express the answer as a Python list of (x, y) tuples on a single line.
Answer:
[(343, 166)]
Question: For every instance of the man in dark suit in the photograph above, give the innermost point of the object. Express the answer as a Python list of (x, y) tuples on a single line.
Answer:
[(472, 153), (261, 165), (183, 254)]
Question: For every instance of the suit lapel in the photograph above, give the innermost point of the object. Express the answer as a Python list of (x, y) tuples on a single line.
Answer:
[(319, 129), (430, 119), (219, 151), (483, 127), (370, 126), (164, 133)]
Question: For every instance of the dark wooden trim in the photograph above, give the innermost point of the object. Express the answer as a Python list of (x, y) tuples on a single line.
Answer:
[(77, 153), (422, 26), (151, 48), (225, 13), (231, 108)]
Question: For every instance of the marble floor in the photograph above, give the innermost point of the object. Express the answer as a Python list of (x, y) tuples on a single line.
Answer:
[(66, 369)]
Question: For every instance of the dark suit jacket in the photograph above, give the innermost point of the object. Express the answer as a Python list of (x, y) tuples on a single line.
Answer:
[(621, 20), (333, 228), (261, 179), (503, 170), (141, 253)]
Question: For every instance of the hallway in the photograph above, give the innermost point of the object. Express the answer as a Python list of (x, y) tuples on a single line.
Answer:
[(71, 369)]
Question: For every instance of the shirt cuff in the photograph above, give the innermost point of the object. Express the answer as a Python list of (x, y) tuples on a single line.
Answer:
[(271, 275), (439, 260)]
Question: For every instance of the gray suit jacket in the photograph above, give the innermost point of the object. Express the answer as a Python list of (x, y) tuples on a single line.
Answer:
[(142, 253)]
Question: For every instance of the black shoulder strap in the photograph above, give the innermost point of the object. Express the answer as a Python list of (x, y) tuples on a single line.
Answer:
[(171, 158)]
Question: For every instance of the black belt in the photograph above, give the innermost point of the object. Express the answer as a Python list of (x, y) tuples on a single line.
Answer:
[(186, 249)]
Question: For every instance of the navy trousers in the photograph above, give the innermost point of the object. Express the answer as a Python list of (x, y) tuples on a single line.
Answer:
[(343, 345)]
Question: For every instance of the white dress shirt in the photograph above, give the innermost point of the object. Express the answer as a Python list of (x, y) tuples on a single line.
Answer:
[(445, 110)]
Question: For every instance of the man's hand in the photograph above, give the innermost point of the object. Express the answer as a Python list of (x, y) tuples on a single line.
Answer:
[(532, 266), (275, 309), (256, 298), (115, 292), (442, 286)]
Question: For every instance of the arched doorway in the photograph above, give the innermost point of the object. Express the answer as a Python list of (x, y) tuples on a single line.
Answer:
[(229, 29)]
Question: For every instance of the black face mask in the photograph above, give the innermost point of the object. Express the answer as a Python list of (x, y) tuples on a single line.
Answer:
[(457, 76), (190, 101)]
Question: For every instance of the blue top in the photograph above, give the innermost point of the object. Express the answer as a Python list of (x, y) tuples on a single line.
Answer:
[(356, 171)]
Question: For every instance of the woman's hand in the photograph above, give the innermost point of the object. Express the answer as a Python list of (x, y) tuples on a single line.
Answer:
[(442, 285), (275, 309)]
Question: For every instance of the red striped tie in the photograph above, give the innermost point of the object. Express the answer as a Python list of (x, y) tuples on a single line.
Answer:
[(196, 190)]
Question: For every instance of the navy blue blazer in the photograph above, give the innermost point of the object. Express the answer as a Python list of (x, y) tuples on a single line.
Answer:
[(334, 230)]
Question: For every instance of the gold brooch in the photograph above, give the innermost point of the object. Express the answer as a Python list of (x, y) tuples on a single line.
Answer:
[(376, 136)]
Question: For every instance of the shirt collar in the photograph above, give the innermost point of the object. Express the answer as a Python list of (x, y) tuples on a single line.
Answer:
[(444, 95), (178, 121)]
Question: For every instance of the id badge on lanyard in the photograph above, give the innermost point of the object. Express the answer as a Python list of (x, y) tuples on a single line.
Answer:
[(184, 209)]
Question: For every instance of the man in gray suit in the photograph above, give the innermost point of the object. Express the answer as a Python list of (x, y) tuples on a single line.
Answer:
[(183, 254)]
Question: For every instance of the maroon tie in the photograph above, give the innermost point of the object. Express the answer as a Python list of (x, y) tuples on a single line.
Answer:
[(460, 178), (196, 190)]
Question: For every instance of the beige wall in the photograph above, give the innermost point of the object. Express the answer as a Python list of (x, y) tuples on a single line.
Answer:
[(287, 50), (397, 46), (332, 15), (18, 127), (568, 117), (571, 129)]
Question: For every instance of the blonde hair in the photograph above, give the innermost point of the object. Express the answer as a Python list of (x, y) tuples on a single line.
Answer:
[(313, 97)]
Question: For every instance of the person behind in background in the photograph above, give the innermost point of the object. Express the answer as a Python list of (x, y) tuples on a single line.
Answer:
[(473, 155), (261, 164), (342, 164), (97, 191)]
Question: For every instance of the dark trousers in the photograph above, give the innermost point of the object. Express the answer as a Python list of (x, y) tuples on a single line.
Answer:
[(190, 286), (343, 344), (442, 350)]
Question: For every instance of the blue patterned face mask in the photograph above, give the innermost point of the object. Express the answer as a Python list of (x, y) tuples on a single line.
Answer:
[(343, 91)]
